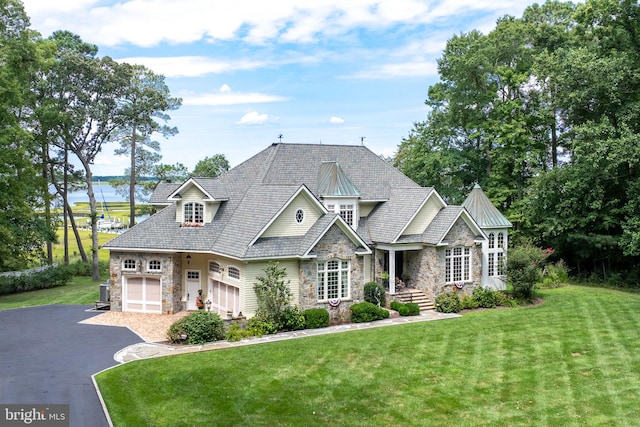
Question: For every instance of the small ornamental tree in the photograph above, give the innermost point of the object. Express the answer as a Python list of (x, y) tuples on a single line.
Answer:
[(524, 269), (273, 295)]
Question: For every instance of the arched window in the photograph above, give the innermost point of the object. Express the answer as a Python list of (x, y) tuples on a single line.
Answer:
[(154, 265), (492, 241), (233, 272), (214, 267), (193, 212), (501, 240)]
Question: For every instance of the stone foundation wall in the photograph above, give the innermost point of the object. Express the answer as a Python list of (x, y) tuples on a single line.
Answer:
[(170, 275)]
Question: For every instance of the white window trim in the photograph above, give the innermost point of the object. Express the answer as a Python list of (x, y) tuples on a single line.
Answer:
[(204, 212), (236, 268), (295, 216), (449, 261), (154, 270), (324, 285), (124, 264)]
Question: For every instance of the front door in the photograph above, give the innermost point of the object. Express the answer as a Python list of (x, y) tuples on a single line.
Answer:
[(193, 286)]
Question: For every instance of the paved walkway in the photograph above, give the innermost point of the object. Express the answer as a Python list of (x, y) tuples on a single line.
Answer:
[(149, 349)]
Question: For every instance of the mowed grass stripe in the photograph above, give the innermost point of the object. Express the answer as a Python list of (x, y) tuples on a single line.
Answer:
[(498, 367)]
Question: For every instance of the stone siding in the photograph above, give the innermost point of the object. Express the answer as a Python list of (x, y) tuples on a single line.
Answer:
[(334, 245), (170, 276), (426, 267)]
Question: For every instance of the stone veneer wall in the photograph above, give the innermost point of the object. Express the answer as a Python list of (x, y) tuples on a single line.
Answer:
[(427, 266), (334, 245), (170, 276)]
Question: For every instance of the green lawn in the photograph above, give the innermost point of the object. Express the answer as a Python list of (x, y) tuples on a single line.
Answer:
[(81, 290), (572, 361)]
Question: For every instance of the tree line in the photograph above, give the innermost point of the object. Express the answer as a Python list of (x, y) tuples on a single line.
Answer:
[(61, 103), (544, 113)]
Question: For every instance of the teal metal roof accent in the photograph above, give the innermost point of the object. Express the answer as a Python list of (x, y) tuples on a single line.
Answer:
[(332, 181), (483, 211)]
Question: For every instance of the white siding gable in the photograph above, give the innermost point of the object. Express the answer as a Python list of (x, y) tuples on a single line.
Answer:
[(421, 221), (286, 224), (194, 194)]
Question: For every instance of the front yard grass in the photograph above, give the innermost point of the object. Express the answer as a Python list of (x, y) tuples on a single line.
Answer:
[(572, 361), (81, 290)]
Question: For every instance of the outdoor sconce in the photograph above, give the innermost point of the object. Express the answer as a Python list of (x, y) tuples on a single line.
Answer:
[(208, 304), (188, 258)]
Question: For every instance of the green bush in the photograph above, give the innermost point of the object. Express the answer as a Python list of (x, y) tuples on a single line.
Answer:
[(292, 319), (197, 328), (367, 312), (408, 309), (236, 333), (414, 308), (259, 326), (374, 293), (49, 277), (555, 275), (468, 303), (484, 297), (316, 318), (523, 270), (448, 302)]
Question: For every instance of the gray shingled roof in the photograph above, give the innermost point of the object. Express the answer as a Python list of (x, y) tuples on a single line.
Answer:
[(162, 191), (257, 189), (483, 211), (437, 229), (388, 220)]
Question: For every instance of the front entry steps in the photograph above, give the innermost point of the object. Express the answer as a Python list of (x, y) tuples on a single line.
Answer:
[(416, 296)]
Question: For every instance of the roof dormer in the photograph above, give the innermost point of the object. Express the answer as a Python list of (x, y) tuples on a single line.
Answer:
[(195, 205)]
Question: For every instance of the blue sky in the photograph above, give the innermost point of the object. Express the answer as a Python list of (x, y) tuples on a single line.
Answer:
[(315, 71)]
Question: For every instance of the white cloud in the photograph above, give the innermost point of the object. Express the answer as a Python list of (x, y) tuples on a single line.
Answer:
[(336, 120), (192, 66), (228, 98), (408, 69), (149, 22), (254, 118), (225, 88)]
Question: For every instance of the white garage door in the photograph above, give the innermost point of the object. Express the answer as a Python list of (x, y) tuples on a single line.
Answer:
[(143, 295)]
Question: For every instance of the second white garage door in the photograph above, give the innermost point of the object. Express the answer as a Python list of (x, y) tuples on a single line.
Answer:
[(143, 295)]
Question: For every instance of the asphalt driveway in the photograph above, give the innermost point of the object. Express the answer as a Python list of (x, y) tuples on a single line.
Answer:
[(47, 357)]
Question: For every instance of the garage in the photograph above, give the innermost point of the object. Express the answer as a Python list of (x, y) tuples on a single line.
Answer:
[(142, 295)]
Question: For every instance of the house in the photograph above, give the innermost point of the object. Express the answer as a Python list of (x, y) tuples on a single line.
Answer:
[(335, 216)]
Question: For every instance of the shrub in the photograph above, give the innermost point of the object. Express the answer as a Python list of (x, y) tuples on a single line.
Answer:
[(199, 327), (484, 297), (448, 302), (367, 312), (273, 295), (414, 308), (49, 277), (316, 318), (468, 303), (555, 275), (374, 293), (236, 333), (292, 319), (259, 326), (523, 270)]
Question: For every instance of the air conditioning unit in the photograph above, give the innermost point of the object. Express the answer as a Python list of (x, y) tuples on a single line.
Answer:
[(104, 292)]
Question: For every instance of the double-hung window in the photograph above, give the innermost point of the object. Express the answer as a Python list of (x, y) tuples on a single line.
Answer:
[(333, 280), (347, 213), (193, 212), (458, 265)]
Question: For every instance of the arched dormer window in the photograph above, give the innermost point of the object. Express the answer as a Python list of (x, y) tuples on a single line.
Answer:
[(193, 212)]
